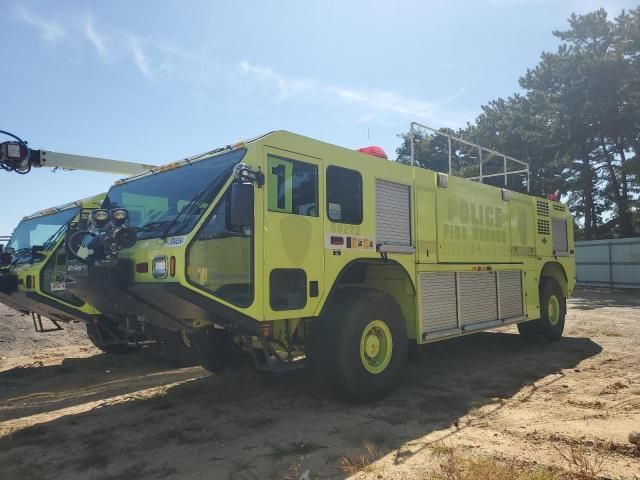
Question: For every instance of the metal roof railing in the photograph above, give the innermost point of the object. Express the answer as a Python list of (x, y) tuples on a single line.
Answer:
[(506, 159)]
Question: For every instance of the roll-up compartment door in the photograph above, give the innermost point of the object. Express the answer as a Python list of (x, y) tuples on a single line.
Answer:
[(559, 235), (393, 213)]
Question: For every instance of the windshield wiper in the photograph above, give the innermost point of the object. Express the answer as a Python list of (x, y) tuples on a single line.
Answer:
[(18, 254), (151, 225), (54, 238), (189, 207)]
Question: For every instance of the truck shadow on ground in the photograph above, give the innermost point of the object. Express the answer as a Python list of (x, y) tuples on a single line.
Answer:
[(34, 388), (244, 424)]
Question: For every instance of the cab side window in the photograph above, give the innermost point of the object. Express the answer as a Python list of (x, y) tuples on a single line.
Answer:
[(344, 195), (292, 186)]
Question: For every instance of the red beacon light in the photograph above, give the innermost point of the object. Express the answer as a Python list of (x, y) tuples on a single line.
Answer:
[(375, 151), (554, 197)]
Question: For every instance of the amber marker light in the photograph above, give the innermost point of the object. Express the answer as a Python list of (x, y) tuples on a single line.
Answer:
[(172, 266)]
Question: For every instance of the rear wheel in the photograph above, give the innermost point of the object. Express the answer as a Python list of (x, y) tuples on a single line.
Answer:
[(360, 344), (553, 309), (105, 335)]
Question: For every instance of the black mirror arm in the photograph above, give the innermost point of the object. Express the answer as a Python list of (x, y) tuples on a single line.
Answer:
[(243, 173)]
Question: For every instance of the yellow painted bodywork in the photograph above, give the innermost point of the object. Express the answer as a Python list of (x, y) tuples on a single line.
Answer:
[(35, 270), (464, 227)]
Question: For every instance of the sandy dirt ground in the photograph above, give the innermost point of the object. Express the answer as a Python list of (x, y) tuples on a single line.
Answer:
[(68, 411)]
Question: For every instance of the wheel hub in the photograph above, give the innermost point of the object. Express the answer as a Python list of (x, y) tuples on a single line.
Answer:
[(376, 346), (372, 346), (553, 310)]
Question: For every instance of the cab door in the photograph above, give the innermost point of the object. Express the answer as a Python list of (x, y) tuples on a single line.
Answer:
[(293, 234)]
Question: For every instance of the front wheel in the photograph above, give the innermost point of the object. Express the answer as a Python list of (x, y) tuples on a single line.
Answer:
[(553, 310), (105, 335), (174, 346), (361, 343), (214, 349)]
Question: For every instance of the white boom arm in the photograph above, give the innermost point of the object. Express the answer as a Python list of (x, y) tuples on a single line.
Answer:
[(16, 156), (67, 161)]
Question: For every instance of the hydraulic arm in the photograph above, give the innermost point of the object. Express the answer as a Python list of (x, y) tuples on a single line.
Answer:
[(16, 156)]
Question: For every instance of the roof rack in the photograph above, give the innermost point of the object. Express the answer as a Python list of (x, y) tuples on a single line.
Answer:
[(506, 159)]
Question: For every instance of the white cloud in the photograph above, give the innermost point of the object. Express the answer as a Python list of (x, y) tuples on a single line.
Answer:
[(139, 56), (386, 101), (96, 39), (155, 60), (49, 31), (287, 87), (371, 103), (117, 44), (112, 46)]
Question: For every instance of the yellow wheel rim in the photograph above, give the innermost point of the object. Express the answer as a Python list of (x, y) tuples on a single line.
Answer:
[(553, 310), (376, 347)]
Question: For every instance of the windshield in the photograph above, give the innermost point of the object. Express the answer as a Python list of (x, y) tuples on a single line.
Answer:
[(41, 230), (171, 202)]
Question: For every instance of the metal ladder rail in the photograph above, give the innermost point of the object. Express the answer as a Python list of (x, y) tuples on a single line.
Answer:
[(450, 138)]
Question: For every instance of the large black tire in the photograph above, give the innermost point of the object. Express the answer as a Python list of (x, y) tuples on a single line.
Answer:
[(213, 349), (553, 309), (349, 344), (173, 347), (105, 335)]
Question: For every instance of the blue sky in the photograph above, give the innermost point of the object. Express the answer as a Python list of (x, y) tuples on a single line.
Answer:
[(154, 82)]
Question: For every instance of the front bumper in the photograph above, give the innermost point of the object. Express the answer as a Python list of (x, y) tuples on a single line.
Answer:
[(8, 295), (8, 283), (161, 304), (33, 302), (186, 306), (107, 289)]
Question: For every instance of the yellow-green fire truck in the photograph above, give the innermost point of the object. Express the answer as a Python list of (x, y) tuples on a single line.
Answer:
[(33, 276), (33, 281), (301, 252)]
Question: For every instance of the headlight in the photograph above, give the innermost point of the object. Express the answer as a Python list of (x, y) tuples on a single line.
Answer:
[(119, 215), (159, 267), (100, 217)]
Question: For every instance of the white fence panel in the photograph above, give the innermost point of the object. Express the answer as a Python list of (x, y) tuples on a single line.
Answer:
[(611, 263)]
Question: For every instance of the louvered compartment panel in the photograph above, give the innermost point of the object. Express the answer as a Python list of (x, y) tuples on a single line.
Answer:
[(393, 213), (510, 289), (477, 292), (544, 227), (438, 300), (559, 235), (542, 208)]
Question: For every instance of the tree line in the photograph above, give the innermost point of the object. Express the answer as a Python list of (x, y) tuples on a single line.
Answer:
[(576, 122)]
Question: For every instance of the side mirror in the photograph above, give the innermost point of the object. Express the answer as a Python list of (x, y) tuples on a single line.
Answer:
[(240, 206)]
